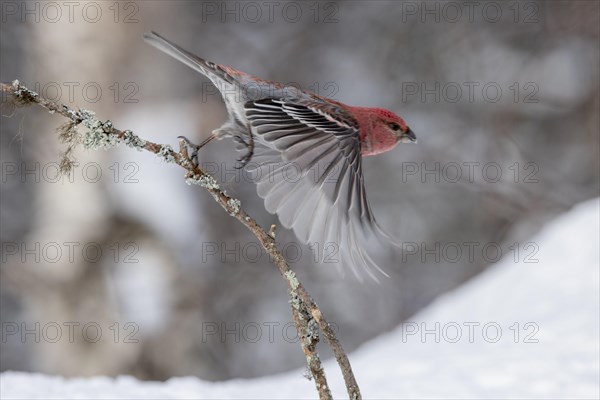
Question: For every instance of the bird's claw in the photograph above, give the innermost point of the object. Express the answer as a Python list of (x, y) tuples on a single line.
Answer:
[(186, 144), (193, 158)]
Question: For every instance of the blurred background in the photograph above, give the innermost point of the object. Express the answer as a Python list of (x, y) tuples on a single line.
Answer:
[(122, 268)]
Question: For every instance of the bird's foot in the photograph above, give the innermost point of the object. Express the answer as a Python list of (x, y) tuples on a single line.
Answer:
[(185, 144)]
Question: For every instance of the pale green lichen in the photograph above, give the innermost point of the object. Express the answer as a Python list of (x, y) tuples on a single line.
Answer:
[(100, 134), (132, 140), (192, 179), (295, 303), (312, 333), (206, 181), (235, 205), (291, 277), (22, 94), (209, 182), (166, 153), (294, 299), (73, 115), (88, 117)]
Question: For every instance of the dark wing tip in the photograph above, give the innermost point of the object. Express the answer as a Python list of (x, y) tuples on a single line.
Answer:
[(151, 35)]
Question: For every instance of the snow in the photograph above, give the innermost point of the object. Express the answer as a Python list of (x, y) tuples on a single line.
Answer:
[(556, 354)]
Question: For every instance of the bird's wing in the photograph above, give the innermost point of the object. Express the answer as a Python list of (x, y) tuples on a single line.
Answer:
[(308, 170)]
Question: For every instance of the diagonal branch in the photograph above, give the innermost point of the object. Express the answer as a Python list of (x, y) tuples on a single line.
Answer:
[(102, 134)]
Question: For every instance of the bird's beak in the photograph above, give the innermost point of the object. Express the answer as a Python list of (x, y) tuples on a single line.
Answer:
[(408, 137)]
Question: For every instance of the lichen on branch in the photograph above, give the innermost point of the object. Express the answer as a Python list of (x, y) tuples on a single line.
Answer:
[(84, 129)]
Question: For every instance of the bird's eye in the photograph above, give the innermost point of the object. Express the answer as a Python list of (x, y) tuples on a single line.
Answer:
[(394, 126)]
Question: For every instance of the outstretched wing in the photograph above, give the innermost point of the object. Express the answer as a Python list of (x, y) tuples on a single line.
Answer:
[(308, 169)]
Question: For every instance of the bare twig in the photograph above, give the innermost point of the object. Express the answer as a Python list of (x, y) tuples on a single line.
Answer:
[(102, 134)]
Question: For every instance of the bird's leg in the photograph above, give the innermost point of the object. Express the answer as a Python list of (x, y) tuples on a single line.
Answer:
[(195, 147), (249, 145)]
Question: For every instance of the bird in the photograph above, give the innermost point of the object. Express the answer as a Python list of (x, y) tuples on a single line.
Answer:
[(305, 152)]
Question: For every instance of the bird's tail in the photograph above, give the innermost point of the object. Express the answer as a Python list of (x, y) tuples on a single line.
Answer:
[(206, 68)]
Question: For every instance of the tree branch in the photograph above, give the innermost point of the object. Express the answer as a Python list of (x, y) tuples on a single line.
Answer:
[(102, 134)]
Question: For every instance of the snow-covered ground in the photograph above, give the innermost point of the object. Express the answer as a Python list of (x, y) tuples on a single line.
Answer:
[(519, 330)]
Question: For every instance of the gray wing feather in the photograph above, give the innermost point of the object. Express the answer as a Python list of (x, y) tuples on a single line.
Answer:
[(308, 170)]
